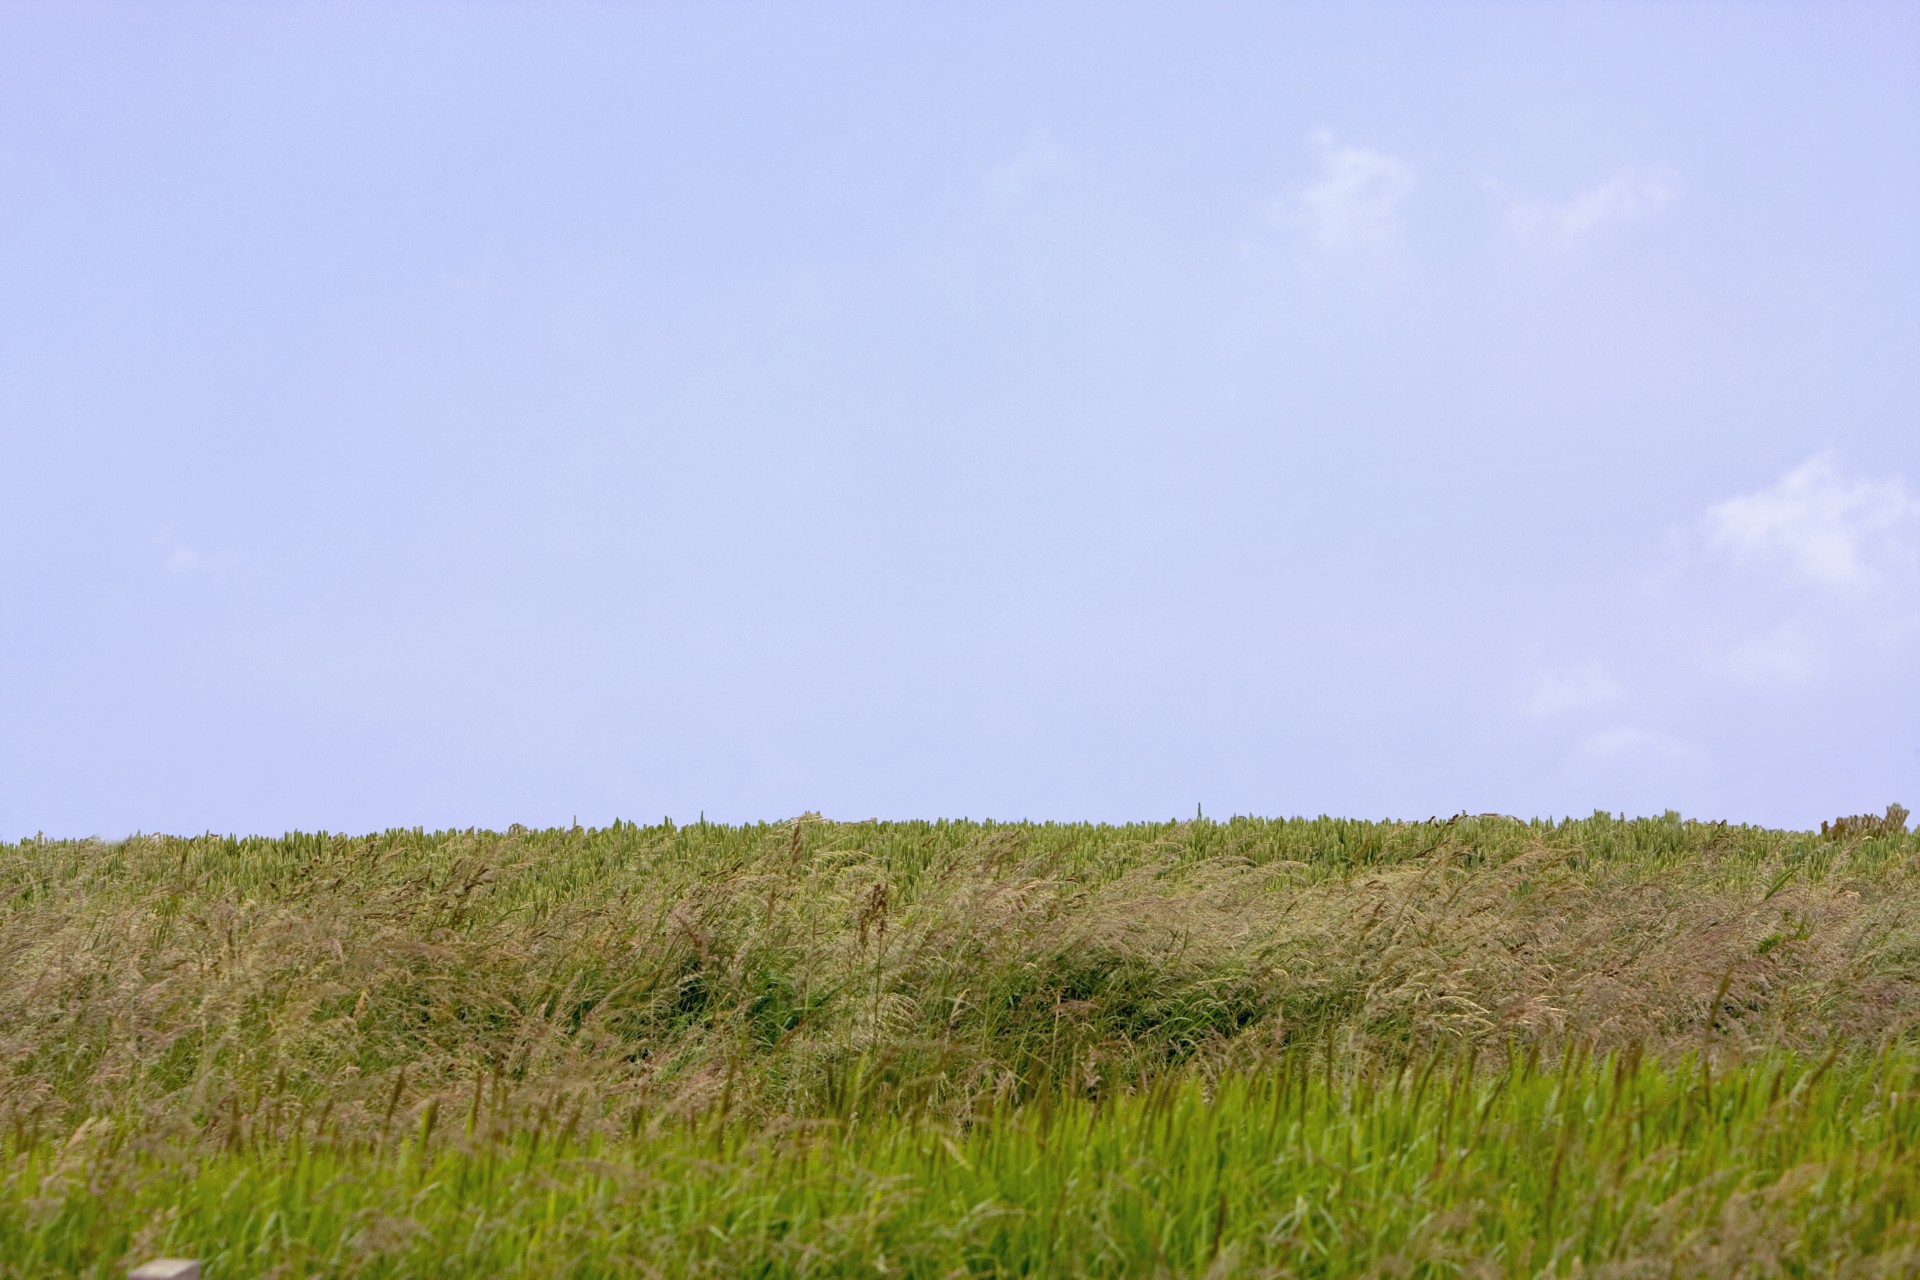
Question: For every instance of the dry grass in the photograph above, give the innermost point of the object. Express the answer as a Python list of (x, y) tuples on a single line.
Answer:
[(210, 992)]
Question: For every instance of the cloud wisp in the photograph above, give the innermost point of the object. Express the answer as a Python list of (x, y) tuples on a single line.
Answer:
[(1569, 225), (1351, 206), (1826, 562), (1820, 527), (184, 562), (1794, 590)]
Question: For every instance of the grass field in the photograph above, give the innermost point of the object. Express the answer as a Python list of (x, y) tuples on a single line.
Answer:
[(1468, 1047)]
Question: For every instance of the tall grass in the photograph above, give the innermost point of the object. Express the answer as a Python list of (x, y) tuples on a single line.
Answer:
[(327, 1053), (1780, 1166)]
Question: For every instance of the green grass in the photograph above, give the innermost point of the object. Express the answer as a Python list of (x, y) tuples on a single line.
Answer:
[(1474, 1047), (1783, 1165)]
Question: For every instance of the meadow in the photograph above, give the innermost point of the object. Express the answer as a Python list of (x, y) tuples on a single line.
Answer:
[(1473, 1046)]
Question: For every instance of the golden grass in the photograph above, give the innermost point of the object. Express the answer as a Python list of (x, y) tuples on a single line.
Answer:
[(209, 992)]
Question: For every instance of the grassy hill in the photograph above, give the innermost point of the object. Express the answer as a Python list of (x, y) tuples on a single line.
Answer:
[(1470, 1046)]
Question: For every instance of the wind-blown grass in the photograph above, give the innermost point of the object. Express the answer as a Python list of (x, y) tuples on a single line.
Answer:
[(1620, 1167), (804, 1048)]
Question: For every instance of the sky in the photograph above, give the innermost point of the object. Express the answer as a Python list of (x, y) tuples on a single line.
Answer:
[(455, 415)]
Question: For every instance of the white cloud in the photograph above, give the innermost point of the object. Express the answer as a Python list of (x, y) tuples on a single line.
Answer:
[(1819, 526), (1564, 226), (1353, 202), (178, 559), (1817, 570), (1582, 688), (1628, 743)]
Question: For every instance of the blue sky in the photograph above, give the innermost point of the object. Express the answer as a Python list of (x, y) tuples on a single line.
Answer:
[(456, 415)]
